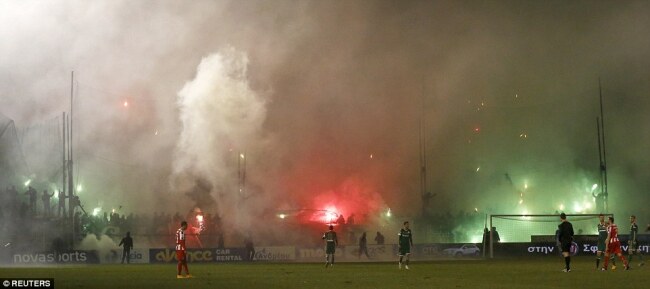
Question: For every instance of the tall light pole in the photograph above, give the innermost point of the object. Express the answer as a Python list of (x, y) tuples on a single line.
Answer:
[(603, 196), (70, 163)]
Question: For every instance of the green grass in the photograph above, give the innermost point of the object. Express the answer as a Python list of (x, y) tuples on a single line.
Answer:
[(528, 273)]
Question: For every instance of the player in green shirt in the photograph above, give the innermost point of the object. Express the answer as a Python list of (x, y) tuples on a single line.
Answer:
[(405, 244), (602, 236), (632, 243), (330, 248)]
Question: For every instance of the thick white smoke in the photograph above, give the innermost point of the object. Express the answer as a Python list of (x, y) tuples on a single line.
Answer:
[(104, 245), (361, 72), (221, 120)]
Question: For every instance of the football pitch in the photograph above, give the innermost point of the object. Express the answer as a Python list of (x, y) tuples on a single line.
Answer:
[(515, 273)]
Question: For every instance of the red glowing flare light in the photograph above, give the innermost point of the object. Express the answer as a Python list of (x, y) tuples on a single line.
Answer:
[(327, 215)]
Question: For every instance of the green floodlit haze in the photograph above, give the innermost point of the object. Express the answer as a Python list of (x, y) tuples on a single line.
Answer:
[(326, 97)]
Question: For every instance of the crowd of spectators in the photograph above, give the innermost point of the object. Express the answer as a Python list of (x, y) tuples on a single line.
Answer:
[(32, 220)]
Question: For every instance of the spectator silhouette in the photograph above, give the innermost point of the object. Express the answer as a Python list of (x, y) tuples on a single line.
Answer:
[(340, 220), (126, 249), (351, 220), (495, 235), (250, 248), (363, 245), (379, 239), (31, 192), (61, 209), (47, 210)]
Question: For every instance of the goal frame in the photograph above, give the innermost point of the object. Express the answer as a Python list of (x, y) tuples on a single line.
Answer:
[(533, 215)]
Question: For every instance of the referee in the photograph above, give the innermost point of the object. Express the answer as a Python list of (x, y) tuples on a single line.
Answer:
[(565, 235)]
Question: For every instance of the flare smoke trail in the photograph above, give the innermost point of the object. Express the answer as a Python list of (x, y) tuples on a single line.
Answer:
[(221, 119)]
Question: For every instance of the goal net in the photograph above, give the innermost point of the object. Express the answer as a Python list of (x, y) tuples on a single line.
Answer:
[(536, 228)]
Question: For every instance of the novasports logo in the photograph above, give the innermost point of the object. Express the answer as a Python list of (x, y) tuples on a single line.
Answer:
[(72, 257), (266, 255)]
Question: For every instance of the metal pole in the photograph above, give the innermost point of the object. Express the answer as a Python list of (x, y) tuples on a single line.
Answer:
[(483, 238), (424, 144), (70, 167), (491, 242), (601, 168), (64, 123), (423, 152), (602, 123)]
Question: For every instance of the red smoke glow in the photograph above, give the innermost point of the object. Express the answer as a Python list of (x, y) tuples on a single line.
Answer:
[(327, 215), (351, 199)]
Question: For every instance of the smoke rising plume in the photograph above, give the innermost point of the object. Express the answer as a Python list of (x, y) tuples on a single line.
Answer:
[(221, 119), (324, 100)]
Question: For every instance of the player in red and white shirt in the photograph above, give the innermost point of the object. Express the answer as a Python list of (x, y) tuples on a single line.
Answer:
[(180, 251), (613, 244)]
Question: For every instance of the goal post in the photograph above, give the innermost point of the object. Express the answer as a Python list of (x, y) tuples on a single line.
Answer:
[(529, 228)]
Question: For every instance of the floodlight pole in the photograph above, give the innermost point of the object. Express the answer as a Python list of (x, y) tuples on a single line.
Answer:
[(602, 153), (64, 174), (604, 168), (70, 166), (424, 194), (71, 200)]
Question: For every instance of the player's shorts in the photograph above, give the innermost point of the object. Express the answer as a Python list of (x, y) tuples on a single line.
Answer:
[(565, 246), (180, 255), (601, 246), (403, 250), (330, 248), (614, 248)]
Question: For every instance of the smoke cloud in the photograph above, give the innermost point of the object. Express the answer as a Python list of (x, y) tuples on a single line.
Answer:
[(324, 100), (221, 120)]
